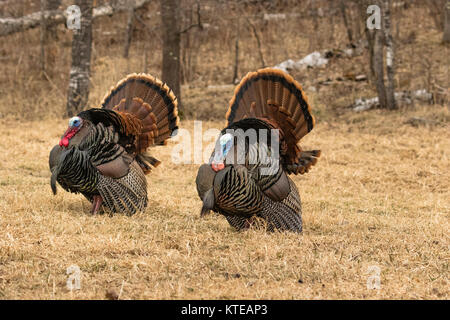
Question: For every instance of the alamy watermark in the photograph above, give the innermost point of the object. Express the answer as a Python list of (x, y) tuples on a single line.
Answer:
[(374, 21), (235, 146), (74, 279), (73, 20), (374, 279)]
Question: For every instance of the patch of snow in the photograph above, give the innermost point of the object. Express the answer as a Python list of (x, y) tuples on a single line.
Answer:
[(314, 59), (274, 16), (422, 95), (286, 65), (363, 104), (348, 52)]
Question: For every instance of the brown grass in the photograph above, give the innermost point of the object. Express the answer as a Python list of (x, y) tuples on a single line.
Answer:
[(378, 196)]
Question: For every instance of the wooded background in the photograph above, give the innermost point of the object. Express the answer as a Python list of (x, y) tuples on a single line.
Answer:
[(48, 68)]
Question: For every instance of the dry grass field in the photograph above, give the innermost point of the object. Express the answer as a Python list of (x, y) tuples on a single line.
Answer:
[(379, 196)]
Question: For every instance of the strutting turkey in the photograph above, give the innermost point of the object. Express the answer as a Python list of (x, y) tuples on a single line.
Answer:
[(102, 153), (270, 101)]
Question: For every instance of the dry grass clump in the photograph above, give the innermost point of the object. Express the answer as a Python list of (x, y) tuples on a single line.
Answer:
[(379, 196)]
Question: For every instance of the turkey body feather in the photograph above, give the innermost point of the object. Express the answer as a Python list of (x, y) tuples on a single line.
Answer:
[(102, 154)]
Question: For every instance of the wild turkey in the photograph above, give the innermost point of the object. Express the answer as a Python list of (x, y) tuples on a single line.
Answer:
[(102, 153), (266, 100)]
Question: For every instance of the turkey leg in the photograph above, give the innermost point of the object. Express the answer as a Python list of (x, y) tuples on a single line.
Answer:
[(96, 203)]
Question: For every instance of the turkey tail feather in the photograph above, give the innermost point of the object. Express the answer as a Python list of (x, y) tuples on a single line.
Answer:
[(274, 96), (272, 87), (151, 101)]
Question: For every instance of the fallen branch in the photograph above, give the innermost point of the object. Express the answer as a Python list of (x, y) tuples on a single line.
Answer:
[(406, 97), (54, 17), (345, 77), (317, 59), (418, 121)]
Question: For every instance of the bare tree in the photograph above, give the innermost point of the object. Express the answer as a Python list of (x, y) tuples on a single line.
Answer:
[(356, 22), (186, 66), (129, 30), (258, 41), (47, 33), (42, 37), (390, 55), (378, 39), (437, 13), (81, 60), (347, 25), (446, 37), (378, 67), (236, 54), (187, 51), (314, 11), (370, 36), (171, 70)]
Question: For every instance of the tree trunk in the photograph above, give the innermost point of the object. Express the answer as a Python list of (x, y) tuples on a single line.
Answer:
[(378, 66), (377, 40), (81, 60), (43, 36), (390, 56), (370, 36), (129, 31), (51, 5), (436, 12), (446, 38), (331, 32), (145, 68), (236, 55), (357, 23), (186, 53), (170, 15), (346, 24), (258, 41), (314, 40), (47, 32)]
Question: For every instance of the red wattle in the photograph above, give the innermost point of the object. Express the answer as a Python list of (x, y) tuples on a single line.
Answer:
[(64, 141), (217, 166)]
